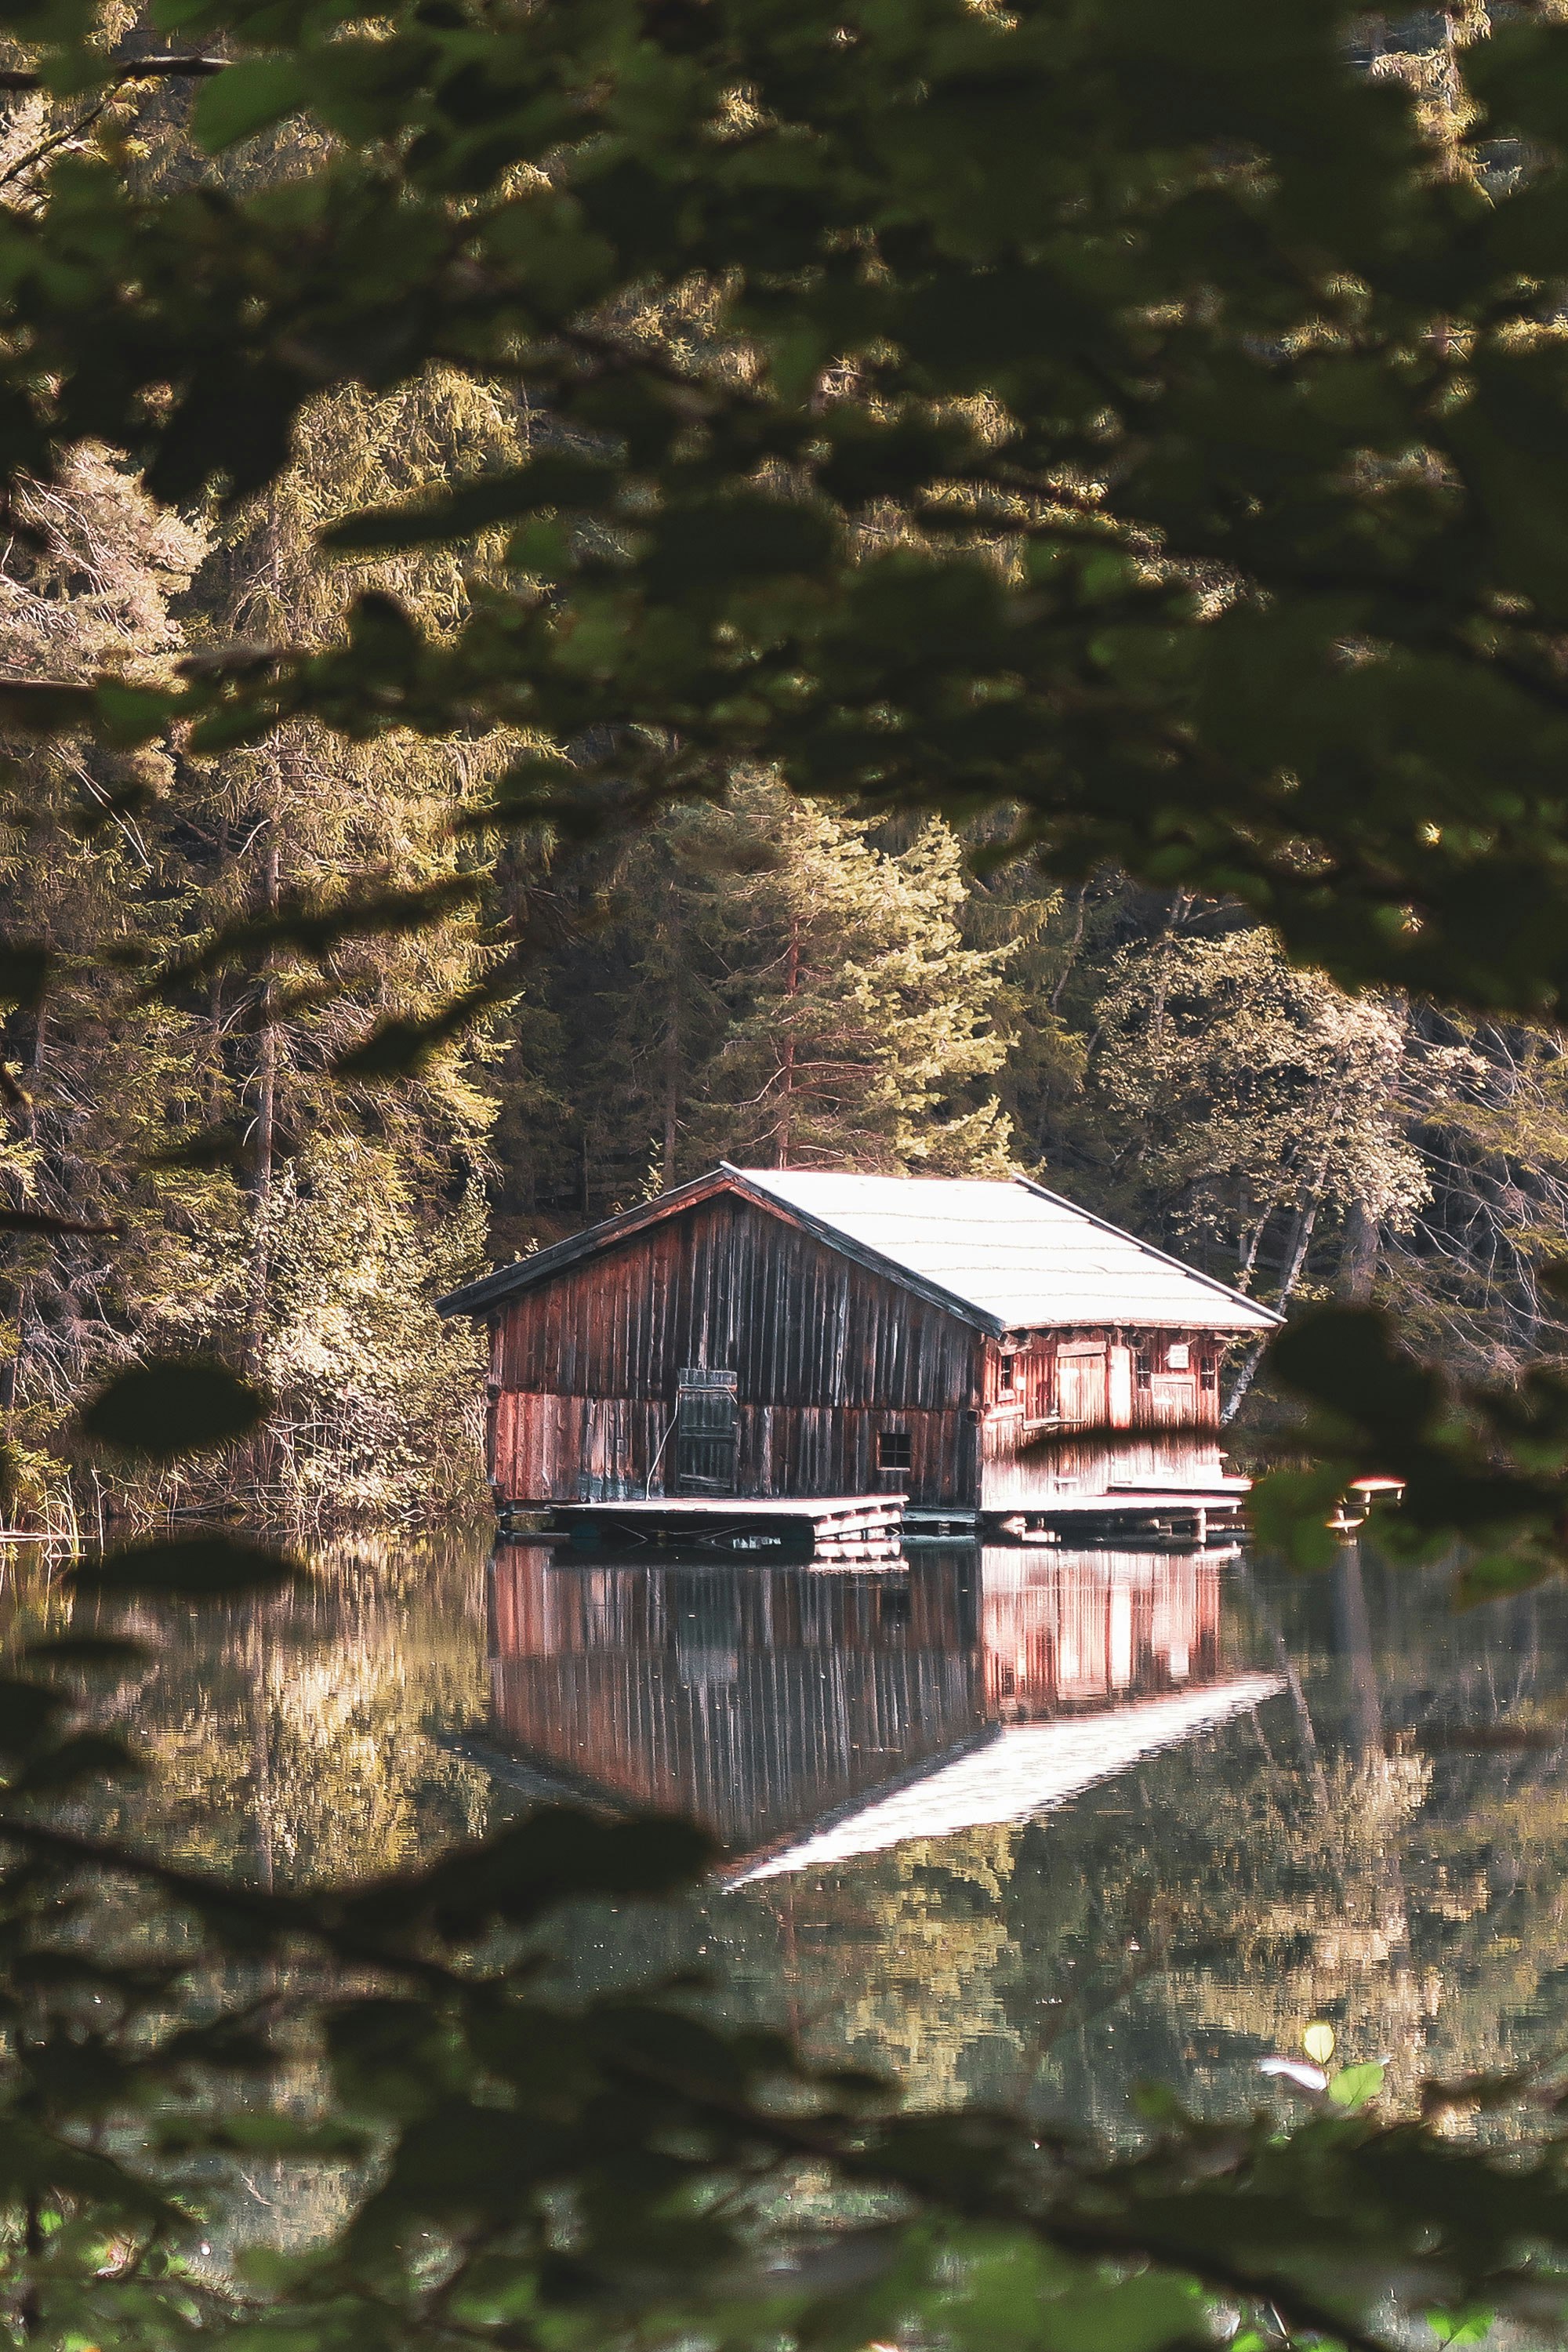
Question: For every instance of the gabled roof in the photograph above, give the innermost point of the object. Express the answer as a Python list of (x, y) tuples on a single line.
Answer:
[(1023, 1256), (1002, 1255), (1026, 1770)]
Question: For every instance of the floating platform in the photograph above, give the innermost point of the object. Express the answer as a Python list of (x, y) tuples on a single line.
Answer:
[(1183, 1518), (823, 1531)]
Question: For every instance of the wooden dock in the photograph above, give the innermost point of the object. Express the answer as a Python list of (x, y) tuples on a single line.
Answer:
[(822, 1531), (1185, 1518)]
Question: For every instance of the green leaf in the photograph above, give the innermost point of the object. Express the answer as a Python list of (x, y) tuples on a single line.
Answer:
[(246, 97), (42, 1220), (1352, 2086), (558, 1854), (556, 480), (1456, 2327), (41, 706), (746, 537), (1497, 1575), (394, 1049), (1346, 1358), (172, 1407), (194, 1567)]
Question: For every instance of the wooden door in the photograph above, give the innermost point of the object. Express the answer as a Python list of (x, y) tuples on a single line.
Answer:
[(706, 1424), (1173, 1396), (1082, 1385)]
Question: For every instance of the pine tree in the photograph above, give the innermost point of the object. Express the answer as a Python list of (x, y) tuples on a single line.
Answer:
[(761, 980), (860, 1027), (306, 820), (92, 883), (114, 868)]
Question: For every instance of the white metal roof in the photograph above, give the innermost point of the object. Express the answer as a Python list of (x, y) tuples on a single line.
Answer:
[(1024, 1770), (1018, 1253)]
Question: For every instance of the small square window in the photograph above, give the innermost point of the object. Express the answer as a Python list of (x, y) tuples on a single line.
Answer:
[(895, 1450), (1006, 1374)]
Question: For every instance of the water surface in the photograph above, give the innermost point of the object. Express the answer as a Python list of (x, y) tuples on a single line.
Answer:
[(1020, 1823)]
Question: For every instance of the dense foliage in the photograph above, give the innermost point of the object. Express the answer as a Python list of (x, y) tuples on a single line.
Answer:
[(1139, 423)]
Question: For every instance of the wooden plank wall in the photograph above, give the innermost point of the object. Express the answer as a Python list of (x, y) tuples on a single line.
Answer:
[(1029, 1455), (828, 1354)]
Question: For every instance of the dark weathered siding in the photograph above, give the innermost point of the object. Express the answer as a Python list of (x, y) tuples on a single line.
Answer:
[(727, 1284), (827, 1356)]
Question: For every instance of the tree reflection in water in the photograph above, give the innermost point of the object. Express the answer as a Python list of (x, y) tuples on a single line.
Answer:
[(1329, 1852)]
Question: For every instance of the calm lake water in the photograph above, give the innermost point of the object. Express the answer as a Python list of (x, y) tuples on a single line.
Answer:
[(1022, 1824)]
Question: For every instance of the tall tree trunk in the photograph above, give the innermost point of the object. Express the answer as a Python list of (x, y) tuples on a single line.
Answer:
[(1358, 1264), (672, 1051), (786, 1091), (11, 1374), (215, 1088), (1300, 1241), (265, 1144), (1246, 1270), (1079, 897)]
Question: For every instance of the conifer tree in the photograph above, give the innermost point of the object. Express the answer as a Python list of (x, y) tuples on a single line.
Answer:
[(337, 1317), (94, 878), (774, 986), (860, 1024)]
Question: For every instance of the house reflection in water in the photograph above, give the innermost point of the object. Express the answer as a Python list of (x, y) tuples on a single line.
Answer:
[(756, 1700), (768, 1702), (1061, 1629)]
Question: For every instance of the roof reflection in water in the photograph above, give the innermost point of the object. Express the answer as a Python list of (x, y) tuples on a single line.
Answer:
[(773, 1703)]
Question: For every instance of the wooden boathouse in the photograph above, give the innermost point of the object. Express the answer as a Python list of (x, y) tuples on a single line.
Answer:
[(984, 1350)]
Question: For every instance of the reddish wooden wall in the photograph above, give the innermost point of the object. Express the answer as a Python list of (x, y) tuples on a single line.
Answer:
[(1037, 1394), (828, 1355)]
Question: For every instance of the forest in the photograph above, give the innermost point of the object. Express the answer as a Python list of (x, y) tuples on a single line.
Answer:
[(593, 584), (772, 981), (218, 1138)]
